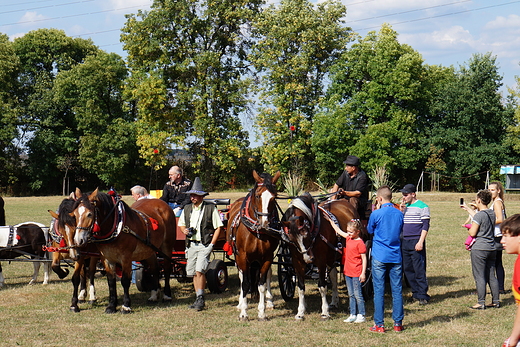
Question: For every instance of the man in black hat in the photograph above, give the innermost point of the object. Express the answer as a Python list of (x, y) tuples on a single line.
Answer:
[(353, 185), (413, 245), (201, 223)]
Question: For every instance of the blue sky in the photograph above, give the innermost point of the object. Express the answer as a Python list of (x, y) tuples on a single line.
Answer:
[(445, 32)]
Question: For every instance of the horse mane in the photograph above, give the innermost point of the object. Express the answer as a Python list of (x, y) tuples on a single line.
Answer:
[(64, 210), (268, 183)]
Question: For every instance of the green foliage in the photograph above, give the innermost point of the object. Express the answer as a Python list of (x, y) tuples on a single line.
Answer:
[(372, 108), (189, 79), (468, 122), (296, 44)]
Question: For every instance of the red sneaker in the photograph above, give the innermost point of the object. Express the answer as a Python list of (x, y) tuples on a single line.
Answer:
[(377, 329), (398, 327)]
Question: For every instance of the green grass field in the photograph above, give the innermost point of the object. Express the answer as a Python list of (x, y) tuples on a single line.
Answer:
[(38, 315)]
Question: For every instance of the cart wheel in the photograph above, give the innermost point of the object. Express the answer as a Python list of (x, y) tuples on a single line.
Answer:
[(286, 275), (143, 279), (217, 276)]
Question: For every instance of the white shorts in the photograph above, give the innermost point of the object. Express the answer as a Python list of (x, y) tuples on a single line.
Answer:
[(198, 258)]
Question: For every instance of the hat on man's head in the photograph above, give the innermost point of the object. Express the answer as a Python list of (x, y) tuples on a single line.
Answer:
[(407, 189), (352, 160), (196, 188)]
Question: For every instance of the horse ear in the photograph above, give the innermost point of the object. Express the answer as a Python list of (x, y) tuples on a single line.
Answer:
[(53, 214), (276, 177), (76, 195), (94, 194), (257, 177)]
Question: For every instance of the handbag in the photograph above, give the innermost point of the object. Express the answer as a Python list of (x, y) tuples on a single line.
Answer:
[(470, 240)]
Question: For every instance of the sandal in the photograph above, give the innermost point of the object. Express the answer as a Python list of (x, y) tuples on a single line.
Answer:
[(478, 307)]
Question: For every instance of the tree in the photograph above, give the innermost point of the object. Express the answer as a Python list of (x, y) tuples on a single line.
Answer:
[(49, 127), (378, 92), (469, 122), (9, 70), (189, 80), (107, 136), (296, 45)]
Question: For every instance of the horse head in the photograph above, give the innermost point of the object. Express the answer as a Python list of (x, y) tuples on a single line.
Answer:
[(64, 224), (88, 210), (298, 222), (263, 197)]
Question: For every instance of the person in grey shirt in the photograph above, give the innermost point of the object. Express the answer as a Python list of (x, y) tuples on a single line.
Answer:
[(483, 252)]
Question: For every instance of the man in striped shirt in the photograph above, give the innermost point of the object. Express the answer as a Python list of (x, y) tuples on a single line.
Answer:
[(413, 245)]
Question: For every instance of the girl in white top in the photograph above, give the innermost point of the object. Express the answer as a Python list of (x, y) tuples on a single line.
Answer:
[(497, 205)]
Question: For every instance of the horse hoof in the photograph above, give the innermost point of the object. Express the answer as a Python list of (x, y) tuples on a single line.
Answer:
[(243, 319), (264, 319), (166, 299), (74, 309), (92, 302), (126, 309), (110, 310), (299, 318), (324, 317), (81, 301)]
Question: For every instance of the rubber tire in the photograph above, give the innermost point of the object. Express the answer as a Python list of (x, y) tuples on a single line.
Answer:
[(217, 276), (143, 280)]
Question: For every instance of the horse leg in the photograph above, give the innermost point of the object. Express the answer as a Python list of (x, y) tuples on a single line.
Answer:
[(333, 275), (91, 276), (268, 293), (322, 287), (300, 275), (36, 266), (264, 272), (83, 282), (62, 273), (167, 292), (76, 279), (2, 279), (126, 280), (154, 271), (112, 289), (245, 284)]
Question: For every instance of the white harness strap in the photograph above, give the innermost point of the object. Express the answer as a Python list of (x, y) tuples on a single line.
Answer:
[(298, 203)]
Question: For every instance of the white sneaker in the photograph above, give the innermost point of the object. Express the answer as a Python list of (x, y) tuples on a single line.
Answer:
[(360, 319), (350, 319)]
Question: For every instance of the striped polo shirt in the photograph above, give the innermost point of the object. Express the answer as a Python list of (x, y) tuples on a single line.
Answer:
[(416, 219)]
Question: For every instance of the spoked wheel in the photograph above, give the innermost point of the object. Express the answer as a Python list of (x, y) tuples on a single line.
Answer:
[(367, 287), (286, 274), (217, 276)]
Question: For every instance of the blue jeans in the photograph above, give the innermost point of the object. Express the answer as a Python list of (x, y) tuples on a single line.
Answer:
[(357, 302), (395, 272)]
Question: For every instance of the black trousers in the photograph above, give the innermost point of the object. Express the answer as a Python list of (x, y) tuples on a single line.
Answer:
[(414, 268)]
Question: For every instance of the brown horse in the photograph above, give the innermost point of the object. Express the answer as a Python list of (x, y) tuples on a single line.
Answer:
[(62, 227), (312, 239), (254, 241), (125, 234), (25, 239)]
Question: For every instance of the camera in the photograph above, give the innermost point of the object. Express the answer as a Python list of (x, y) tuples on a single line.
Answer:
[(191, 232)]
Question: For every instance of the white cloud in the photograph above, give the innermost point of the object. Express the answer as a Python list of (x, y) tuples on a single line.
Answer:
[(500, 22), (31, 17)]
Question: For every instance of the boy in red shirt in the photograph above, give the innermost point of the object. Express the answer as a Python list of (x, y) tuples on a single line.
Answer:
[(511, 241)]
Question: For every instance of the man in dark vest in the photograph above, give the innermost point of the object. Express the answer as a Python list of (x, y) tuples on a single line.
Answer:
[(201, 223)]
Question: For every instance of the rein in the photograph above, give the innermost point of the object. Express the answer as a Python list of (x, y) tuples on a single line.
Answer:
[(252, 224)]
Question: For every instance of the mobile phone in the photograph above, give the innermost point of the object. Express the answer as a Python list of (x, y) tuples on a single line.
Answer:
[(462, 201)]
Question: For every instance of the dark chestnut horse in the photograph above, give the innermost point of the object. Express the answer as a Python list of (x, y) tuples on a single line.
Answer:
[(27, 240), (312, 239), (254, 241), (62, 227), (125, 234)]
